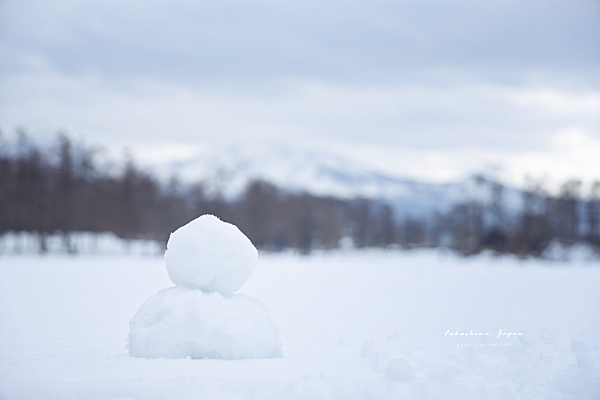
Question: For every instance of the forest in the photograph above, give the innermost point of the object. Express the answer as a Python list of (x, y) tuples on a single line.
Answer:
[(62, 188)]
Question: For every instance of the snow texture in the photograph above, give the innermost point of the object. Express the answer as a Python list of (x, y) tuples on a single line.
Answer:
[(182, 322), (400, 370), (344, 320), (210, 255)]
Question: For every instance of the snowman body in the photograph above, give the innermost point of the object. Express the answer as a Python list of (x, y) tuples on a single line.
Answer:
[(202, 317)]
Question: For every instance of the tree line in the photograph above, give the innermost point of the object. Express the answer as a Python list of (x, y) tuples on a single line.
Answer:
[(567, 217), (62, 189)]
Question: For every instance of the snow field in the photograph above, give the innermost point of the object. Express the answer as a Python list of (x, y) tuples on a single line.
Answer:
[(353, 325)]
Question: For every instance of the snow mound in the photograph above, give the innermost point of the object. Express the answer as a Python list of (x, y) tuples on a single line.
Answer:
[(210, 255), (182, 322)]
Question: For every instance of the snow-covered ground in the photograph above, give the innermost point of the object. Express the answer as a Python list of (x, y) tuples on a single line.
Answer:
[(354, 325), (92, 243)]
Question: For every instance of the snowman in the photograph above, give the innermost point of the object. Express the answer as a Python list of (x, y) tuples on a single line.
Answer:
[(203, 317)]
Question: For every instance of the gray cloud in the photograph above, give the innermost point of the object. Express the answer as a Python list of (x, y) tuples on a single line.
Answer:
[(491, 76), (353, 42)]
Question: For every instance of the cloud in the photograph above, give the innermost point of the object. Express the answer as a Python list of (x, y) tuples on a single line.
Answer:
[(432, 89), (380, 41), (429, 132), (571, 154)]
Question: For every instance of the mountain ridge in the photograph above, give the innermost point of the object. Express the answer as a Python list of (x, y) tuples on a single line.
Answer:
[(228, 170)]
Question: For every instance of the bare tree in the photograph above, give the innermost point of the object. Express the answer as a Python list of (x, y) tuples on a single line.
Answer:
[(593, 214)]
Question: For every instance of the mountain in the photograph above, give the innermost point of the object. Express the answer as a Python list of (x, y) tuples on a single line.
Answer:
[(228, 169)]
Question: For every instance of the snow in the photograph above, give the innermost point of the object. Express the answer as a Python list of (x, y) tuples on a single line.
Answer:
[(400, 370), (182, 322), (352, 325), (576, 252), (203, 318), (104, 243), (227, 169), (210, 255)]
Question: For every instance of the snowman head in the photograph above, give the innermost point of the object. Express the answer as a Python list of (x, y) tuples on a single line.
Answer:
[(210, 255)]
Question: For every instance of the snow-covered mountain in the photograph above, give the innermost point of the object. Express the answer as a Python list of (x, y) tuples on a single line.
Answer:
[(228, 169)]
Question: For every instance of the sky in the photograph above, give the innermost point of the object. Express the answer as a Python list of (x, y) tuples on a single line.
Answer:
[(433, 90)]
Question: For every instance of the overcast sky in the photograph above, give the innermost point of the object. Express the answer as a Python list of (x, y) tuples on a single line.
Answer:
[(427, 89)]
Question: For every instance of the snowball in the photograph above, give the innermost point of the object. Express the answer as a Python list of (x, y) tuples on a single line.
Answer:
[(182, 322), (210, 255)]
